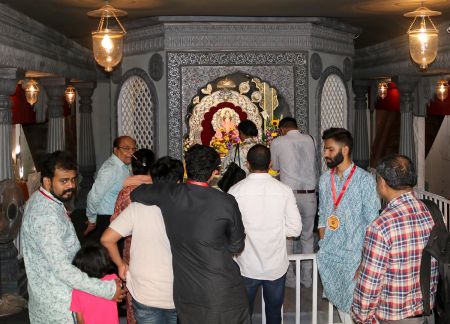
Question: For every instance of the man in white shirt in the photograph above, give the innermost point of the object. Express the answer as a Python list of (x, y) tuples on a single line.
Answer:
[(270, 214), (294, 155), (149, 276)]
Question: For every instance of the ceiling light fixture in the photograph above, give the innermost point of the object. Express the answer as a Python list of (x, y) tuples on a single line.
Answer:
[(31, 88), (423, 36), (442, 90), (107, 42), (382, 90), (70, 94)]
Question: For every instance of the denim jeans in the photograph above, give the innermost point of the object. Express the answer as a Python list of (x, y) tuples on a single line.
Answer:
[(273, 293), (151, 315)]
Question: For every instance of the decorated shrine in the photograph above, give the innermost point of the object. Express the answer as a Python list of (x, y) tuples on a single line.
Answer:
[(219, 107)]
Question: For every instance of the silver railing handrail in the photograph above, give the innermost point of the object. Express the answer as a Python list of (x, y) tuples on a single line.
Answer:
[(443, 204), (298, 258)]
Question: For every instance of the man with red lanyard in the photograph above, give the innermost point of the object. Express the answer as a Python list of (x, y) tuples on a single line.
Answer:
[(50, 244), (205, 230), (348, 203)]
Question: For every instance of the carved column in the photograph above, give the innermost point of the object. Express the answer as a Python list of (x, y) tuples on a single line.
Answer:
[(425, 93), (361, 135), (86, 154), (407, 85), (8, 83), (56, 138)]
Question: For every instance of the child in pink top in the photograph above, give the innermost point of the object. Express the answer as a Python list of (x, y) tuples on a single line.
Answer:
[(94, 260)]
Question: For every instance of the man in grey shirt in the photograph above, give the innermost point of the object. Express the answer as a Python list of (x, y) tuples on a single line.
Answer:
[(294, 155)]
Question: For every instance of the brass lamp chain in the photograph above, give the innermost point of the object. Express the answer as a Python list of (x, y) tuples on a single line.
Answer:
[(102, 22), (423, 22), (118, 22)]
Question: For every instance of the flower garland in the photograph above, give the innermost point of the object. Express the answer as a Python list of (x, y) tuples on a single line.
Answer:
[(222, 141)]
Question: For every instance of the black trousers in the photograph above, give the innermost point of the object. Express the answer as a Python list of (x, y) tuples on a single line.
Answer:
[(103, 222)]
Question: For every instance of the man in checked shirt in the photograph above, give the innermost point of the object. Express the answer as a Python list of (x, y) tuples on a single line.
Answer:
[(388, 287)]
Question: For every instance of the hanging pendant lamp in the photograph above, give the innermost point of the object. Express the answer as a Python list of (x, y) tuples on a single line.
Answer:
[(70, 94), (441, 90), (423, 36), (107, 41), (382, 90), (31, 88)]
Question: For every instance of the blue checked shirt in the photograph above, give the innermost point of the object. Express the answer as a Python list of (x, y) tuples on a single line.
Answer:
[(103, 195)]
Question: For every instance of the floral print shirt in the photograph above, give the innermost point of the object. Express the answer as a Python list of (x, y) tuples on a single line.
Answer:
[(49, 246)]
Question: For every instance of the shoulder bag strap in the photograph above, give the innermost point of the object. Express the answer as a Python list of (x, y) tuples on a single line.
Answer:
[(238, 155), (425, 264)]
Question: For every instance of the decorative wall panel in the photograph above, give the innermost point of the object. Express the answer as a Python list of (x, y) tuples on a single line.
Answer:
[(188, 71), (136, 110), (333, 104)]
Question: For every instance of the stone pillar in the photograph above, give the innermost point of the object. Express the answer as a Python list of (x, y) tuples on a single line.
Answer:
[(11, 277), (8, 83), (86, 153), (407, 85), (425, 93), (56, 138), (361, 135)]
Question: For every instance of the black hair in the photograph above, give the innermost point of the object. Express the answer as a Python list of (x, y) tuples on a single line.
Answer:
[(201, 161), (398, 171), (341, 136), (288, 122), (167, 170), (248, 128), (94, 260), (56, 160), (118, 140), (142, 161), (258, 158)]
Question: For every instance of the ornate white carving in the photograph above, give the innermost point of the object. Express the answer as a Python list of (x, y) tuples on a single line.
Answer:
[(285, 34), (217, 97), (180, 95)]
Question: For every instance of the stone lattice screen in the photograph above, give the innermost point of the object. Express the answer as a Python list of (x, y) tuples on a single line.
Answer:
[(136, 112), (333, 105)]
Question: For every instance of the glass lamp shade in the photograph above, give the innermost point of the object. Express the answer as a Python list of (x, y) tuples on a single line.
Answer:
[(423, 36), (107, 47), (70, 94), (442, 90), (382, 90), (423, 46), (31, 91)]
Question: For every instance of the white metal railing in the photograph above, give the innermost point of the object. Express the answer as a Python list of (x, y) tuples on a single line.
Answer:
[(443, 204), (298, 258)]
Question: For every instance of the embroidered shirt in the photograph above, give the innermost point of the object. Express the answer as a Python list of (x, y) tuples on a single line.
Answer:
[(49, 246), (388, 287), (340, 250), (102, 197), (246, 145)]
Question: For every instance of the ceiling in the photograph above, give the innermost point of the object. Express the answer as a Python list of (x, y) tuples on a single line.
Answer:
[(379, 20)]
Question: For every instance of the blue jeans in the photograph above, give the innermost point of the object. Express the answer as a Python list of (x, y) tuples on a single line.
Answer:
[(273, 293), (151, 315)]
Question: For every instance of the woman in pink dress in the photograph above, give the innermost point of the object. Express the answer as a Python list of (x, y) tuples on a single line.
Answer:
[(140, 164), (94, 260)]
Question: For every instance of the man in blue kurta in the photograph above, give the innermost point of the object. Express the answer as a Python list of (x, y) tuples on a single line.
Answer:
[(348, 203), (49, 245)]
